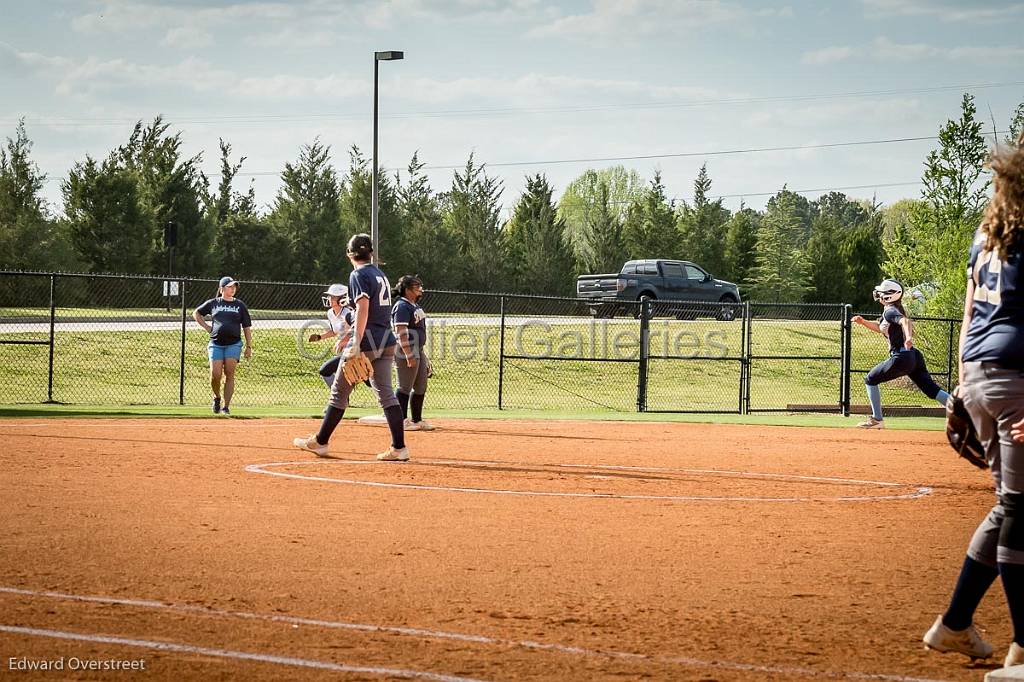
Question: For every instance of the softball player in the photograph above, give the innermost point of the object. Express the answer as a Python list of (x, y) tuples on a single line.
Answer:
[(341, 319), (992, 387), (904, 360), (372, 336), (410, 324), (230, 321)]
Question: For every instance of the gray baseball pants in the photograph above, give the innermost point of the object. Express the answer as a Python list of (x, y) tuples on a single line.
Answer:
[(380, 381)]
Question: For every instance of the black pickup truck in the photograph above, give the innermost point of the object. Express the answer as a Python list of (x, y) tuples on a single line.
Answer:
[(659, 280)]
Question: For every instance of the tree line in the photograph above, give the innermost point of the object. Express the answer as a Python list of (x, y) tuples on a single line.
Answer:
[(830, 249)]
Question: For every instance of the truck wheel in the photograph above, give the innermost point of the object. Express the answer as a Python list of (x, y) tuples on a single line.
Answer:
[(644, 298), (728, 311)]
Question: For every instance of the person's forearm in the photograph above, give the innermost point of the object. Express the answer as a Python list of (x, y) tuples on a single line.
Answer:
[(362, 315), (403, 340), (201, 322), (968, 313), (248, 336)]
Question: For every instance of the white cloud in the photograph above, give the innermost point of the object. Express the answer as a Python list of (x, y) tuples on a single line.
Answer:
[(633, 19), (886, 50), (945, 10), (187, 38), (829, 55)]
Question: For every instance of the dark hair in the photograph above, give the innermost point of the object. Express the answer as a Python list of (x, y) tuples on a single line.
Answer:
[(407, 282), (360, 246)]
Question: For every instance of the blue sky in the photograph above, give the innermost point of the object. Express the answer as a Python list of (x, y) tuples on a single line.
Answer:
[(519, 82)]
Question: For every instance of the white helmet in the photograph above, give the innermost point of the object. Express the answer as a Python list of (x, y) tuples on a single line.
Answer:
[(339, 291), (888, 291)]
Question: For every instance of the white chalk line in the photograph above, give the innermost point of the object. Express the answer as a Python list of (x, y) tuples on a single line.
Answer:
[(237, 655), (478, 639), (921, 491)]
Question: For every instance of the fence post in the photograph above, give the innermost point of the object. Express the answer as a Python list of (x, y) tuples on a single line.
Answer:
[(949, 359), (748, 322), (501, 355), (181, 374), (53, 318), (743, 354), (846, 341), (645, 351)]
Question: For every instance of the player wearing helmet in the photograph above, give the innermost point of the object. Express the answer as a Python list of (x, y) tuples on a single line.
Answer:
[(904, 360), (341, 318)]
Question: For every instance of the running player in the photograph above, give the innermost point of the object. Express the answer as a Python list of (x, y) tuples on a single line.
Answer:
[(369, 288), (991, 376), (341, 319), (230, 321), (410, 323), (904, 360)]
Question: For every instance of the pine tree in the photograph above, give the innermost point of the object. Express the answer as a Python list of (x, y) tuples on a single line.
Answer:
[(429, 246), (740, 244), (779, 274), (534, 238), (307, 215), (649, 229), (702, 226), (471, 213), (356, 205)]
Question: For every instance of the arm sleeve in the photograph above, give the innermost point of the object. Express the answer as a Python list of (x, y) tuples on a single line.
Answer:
[(207, 307), (401, 315), (357, 286), (246, 320), (892, 316)]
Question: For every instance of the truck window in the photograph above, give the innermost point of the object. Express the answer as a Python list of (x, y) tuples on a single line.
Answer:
[(629, 269), (648, 269), (672, 270), (695, 273)]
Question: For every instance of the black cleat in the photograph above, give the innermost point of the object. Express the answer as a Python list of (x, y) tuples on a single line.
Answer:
[(216, 405), (225, 410)]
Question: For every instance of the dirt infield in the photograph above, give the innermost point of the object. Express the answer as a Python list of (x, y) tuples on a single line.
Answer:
[(504, 550)]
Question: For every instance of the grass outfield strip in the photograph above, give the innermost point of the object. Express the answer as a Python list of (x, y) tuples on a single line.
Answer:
[(812, 420)]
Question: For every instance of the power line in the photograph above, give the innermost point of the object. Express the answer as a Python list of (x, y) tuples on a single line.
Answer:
[(512, 111)]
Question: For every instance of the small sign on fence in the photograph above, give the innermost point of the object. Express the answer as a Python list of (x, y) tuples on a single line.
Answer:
[(170, 288)]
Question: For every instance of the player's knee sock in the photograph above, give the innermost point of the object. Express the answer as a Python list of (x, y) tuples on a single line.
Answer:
[(875, 398), (417, 406), (1013, 585), (403, 400), (975, 579), (394, 416), (1009, 552), (942, 397), (329, 380), (332, 417)]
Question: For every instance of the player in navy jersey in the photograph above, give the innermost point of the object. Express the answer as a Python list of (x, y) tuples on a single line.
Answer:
[(904, 360), (991, 373), (230, 321), (413, 365), (370, 291), (341, 319)]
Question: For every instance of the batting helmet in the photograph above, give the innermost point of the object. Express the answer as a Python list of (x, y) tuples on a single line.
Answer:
[(339, 291), (888, 291)]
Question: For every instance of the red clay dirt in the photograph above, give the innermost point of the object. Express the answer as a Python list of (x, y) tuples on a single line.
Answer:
[(512, 550)]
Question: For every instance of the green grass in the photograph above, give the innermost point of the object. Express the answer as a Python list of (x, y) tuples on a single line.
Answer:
[(800, 420), (129, 368)]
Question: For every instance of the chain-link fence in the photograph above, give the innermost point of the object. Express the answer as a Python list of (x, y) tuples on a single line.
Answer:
[(121, 340)]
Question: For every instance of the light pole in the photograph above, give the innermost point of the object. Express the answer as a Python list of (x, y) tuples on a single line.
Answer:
[(390, 55)]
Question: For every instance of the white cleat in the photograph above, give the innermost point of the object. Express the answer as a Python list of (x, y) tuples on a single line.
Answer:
[(394, 454), (967, 642), (422, 425), (310, 444), (871, 423), (1015, 656)]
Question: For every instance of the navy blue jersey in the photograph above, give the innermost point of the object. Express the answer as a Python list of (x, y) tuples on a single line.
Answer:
[(889, 325), (996, 332), (411, 314), (229, 318), (369, 282)]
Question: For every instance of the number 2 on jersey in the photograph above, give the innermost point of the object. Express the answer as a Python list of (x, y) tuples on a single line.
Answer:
[(385, 292)]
